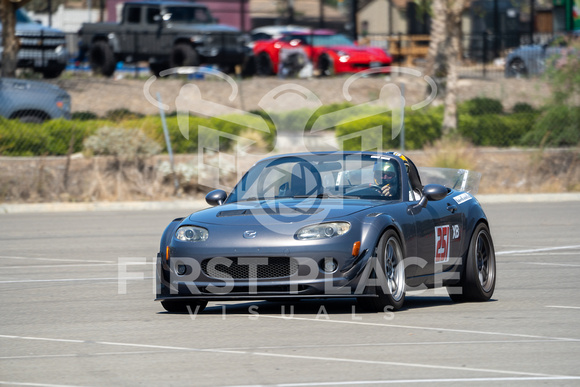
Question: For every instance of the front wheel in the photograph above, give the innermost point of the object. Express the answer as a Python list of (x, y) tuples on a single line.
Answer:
[(184, 306), (390, 275), (478, 282), (516, 68), (325, 66)]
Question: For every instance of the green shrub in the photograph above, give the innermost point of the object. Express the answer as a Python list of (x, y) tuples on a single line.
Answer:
[(496, 130), (421, 127), (118, 115), (84, 116), (522, 107), (480, 106), (559, 125), (49, 138)]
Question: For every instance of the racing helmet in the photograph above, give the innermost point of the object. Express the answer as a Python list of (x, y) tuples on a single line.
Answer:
[(384, 173)]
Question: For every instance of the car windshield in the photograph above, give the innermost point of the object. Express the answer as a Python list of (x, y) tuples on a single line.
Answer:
[(188, 15), (22, 17), (322, 40), (321, 176)]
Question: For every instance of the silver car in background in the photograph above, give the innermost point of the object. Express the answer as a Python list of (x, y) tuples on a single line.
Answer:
[(531, 59), (33, 101)]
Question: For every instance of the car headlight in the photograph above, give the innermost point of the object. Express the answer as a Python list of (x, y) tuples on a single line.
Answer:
[(323, 230), (191, 234)]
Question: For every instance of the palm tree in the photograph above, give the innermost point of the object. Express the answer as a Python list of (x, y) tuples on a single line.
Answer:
[(442, 60)]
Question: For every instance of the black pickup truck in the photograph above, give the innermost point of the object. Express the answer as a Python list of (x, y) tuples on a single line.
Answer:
[(164, 33)]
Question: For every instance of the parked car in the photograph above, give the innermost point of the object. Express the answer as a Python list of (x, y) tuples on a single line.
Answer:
[(33, 101), (164, 33), (275, 32), (330, 53), (42, 48), (330, 225), (531, 59)]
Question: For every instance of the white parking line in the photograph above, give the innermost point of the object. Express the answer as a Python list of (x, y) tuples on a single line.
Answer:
[(424, 328), (34, 384), (54, 259), (403, 344), (552, 264), (406, 381), (287, 356), (76, 280), (77, 265), (537, 250), (563, 307)]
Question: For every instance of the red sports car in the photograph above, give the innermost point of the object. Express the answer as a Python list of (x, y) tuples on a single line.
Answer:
[(329, 52)]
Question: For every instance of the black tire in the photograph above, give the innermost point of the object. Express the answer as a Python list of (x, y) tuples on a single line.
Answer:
[(51, 73), (33, 118), (478, 275), (157, 67), (181, 306), (183, 55), (325, 66), (264, 66), (516, 68), (390, 259), (102, 59)]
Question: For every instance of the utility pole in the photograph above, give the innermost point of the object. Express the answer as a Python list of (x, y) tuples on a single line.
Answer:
[(353, 11), (321, 14)]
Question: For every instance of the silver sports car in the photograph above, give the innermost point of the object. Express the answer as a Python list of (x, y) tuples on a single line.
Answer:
[(331, 224)]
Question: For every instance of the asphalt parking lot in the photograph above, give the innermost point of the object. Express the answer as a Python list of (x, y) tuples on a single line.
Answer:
[(67, 319)]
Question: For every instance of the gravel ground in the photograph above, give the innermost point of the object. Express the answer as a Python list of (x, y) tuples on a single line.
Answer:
[(100, 95)]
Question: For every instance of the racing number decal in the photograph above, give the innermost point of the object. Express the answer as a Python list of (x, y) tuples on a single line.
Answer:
[(442, 240)]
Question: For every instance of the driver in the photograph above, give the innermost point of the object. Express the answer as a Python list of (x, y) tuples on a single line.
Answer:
[(385, 176)]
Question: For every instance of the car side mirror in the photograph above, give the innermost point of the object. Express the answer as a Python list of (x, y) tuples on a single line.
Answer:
[(216, 197), (431, 192)]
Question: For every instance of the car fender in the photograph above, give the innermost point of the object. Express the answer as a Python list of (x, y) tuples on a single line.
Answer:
[(473, 215), (374, 226), (168, 235)]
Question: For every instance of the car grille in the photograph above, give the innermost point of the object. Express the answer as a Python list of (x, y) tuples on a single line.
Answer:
[(277, 267)]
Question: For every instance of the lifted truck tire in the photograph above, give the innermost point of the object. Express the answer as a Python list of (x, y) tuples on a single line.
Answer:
[(102, 59), (183, 55)]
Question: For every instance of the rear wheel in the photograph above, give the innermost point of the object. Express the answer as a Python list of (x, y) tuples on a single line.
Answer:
[(184, 55), (478, 282), (184, 306), (102, 59), (390, 289), (264, 66)]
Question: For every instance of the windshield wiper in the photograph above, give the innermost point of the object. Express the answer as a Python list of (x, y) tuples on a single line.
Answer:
[(325, 195)]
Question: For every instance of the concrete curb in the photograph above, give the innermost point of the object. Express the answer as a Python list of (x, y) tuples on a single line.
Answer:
[(191, 205)]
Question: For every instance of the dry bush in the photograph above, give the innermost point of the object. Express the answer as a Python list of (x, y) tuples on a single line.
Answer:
[(452, 152)]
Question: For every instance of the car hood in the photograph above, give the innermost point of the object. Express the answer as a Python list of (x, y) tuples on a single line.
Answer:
[(32, 86), (35, 29), (270, 212)]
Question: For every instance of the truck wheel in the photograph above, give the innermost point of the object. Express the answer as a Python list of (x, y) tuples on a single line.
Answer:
[(183, 55), (157, 67), (51, 73), (102, 59)]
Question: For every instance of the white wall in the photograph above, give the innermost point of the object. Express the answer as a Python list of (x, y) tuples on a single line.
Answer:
[(68, 19)]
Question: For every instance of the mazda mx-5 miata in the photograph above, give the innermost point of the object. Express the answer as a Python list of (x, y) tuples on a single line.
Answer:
[(331, 225)]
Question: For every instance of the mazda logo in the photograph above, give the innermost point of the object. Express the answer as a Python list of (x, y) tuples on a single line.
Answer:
[(249, 234)]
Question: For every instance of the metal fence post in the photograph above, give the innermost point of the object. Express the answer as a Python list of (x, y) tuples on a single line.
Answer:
[(484, 53)]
